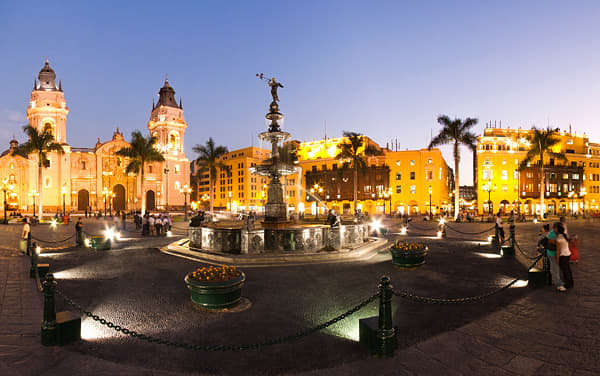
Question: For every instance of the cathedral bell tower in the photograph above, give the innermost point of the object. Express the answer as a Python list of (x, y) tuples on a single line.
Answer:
[(168, 125), (47, 105)]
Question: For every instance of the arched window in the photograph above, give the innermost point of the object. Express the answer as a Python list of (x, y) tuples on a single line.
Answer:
[(174, 141), (48, 182)]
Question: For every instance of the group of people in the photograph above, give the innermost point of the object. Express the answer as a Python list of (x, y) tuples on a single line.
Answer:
[(557, 246), (155, 224)]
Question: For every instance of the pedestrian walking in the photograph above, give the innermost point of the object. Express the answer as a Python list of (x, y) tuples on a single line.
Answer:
[(79, 232), (562, 247), (25, 237)]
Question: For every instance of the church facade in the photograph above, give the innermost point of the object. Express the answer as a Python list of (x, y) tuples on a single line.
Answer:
[(94, 178)]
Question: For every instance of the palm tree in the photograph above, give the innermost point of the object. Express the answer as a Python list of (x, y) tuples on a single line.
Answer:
[(40, 143), (456, 132), (140, 152), (541, 141), (355, 150), (209, 160)]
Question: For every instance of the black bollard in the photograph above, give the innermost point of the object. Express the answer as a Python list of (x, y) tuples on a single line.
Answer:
[(49, 323), (386, 334), (33, 271)]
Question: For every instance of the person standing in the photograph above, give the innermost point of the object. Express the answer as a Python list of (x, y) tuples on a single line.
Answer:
[(564, 255), (499, 227), (79, 232), (124, 220), (25, 237), (550, 246)]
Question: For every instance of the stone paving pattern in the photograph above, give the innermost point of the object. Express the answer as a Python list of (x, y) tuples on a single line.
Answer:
[(531, 332)]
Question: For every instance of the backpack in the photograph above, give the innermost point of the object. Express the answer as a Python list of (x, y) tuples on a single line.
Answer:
[(545, 242)]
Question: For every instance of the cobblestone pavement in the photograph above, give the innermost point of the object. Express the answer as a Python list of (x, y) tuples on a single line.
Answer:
[(530, 332)]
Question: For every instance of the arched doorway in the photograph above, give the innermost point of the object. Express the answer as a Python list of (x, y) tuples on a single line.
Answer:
[(150, 202), (504, 206), (83, 200), (119, 199)]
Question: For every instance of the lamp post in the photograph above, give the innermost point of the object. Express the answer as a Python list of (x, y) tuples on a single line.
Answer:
[(33, 193), (63, 190), (105, 195), (572, 195), (229, 194), (112, 196), (315, 190), (582, 194), (430, 214), (185, 190), (6, 187), (488, 188), (165, 150)]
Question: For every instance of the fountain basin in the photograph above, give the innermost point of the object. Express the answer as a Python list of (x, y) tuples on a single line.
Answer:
[(299, 239)]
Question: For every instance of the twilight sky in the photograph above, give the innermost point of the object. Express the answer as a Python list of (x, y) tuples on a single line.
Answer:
[(386, 69)]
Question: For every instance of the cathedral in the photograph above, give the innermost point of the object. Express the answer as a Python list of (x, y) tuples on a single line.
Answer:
[(94, 178)]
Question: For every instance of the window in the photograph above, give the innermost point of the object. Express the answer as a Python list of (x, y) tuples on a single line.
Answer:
[(398, 189), (570, 141), (412, 162), (397, 163), (82, 165), (504, 161), (412, 175), (176, 168), (413, 189), (516, 174), (12, 166), (429, 175), (367, 188), (504, 175), (398, 176), (575, 176), (314, 168), (177, 185), (429, 161), (47, 182), (504, 188), (150, 169), (487, 175), (487, 161), (565, 176)]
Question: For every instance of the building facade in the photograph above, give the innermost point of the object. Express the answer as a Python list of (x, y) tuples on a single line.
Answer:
[(412, 181), (94, 178), (570, 187)]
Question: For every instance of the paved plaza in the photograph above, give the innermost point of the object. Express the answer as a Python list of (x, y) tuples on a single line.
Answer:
[(519, 331)]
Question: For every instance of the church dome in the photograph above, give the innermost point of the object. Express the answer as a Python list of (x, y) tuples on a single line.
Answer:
[(166, 95), (47, 78)]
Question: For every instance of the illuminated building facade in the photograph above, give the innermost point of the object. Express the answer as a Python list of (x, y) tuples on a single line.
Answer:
[(92, 178), (570, 187), (394, 182)]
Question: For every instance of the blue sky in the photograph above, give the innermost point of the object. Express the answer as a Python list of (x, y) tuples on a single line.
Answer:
[(386, 69)]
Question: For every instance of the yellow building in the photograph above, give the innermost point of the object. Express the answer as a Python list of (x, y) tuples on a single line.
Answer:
[(94, 178), (396, 181), (569, 187)]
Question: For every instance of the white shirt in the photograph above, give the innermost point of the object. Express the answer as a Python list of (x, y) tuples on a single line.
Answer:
[(562, 246), (151, 221), (499, 221), (26, 230)]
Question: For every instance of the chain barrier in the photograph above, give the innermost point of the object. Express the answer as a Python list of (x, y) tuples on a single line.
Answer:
[(523, 253), (52, 241), (422, 228), (424, 299), (236, 347), (470, 233)]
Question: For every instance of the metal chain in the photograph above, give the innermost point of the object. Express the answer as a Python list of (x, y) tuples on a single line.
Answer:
[(236, 347), (422, 228), (523, 253), (424, 299), (470, 233), (53, 241)]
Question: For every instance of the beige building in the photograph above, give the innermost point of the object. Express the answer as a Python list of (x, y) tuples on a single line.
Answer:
[(94, 178)]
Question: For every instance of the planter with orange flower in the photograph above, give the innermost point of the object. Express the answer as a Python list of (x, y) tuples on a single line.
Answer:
[(215, 287), (408, 255)]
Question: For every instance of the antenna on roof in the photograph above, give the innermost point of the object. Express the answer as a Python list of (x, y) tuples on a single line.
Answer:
[(325, 130)]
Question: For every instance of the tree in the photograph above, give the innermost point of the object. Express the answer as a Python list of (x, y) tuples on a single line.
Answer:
[(354, 151), (209, 160), (40, 143), (140, 152), (541, 141), (456, 132)]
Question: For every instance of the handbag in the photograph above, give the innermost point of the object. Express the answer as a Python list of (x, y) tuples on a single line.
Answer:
[(23, 245)]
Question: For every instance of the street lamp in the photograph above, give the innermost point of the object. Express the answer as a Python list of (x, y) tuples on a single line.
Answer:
[(185, 190), (488, 188), (105, 195), (32, 194), (112, 197), (6, 187), (430, 214), (63, 191), (165, 150), (229, 194), (315, 190), (572, 195)]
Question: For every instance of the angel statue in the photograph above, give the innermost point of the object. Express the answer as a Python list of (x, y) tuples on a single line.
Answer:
[(273, 84)]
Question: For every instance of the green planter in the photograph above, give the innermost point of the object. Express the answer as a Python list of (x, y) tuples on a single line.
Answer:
[(99, 243), (408, 259), (215, 295)]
